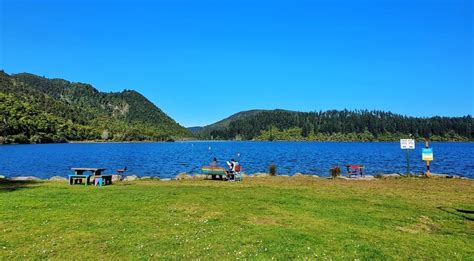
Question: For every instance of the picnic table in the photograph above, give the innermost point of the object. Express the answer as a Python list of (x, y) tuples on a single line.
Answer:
[(215, 172), (80, 178), (220, 173)]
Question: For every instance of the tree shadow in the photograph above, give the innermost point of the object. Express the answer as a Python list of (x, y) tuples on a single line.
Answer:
[(463, 213), (13, 185)]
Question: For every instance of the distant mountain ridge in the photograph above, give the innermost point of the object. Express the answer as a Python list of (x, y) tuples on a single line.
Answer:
[(222, 124), (334, 125), (195, 130), (36, 109), (77, 111)]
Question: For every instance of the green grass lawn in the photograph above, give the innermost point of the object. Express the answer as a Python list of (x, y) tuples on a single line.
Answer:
[(261, 218)]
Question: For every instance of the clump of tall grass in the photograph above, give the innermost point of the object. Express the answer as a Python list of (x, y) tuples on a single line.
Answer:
[(272, 170), (335, 171)]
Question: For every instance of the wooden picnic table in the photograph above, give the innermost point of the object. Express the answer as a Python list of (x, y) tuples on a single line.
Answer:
[(215, 172), (95, 171), (221, 173), (79, 176)]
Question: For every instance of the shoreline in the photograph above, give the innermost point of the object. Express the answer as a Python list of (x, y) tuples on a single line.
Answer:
[(219, 141), (186, 176)]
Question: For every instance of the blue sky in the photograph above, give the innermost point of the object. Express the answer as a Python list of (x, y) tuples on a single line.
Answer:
[(201, 61)]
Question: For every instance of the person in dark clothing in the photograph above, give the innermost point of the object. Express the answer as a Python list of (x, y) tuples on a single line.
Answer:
[(214, 162)]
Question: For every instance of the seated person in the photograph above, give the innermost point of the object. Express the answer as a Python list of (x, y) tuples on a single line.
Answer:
[(232, 165), (214, 163)]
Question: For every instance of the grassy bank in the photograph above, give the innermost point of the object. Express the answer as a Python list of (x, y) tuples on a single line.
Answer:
[(260, 218)]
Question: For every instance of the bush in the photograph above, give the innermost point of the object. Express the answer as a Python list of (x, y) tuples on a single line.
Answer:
[(335, 171), (272, 170), (19, 138)]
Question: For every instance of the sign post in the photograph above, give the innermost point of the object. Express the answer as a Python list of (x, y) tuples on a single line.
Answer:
[(407, 144), (427, 156)]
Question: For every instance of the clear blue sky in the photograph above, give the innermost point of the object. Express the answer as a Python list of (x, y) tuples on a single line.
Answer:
[(202, 60)]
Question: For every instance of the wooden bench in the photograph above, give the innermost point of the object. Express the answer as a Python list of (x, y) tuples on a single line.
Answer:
[(214, 172), (106, 179), (220, 173), (103, 180), (79, 179)]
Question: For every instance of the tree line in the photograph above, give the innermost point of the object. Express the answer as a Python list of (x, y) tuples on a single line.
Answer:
[(343, 125)]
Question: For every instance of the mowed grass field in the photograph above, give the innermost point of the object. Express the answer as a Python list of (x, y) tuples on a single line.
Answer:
[(260, 218)]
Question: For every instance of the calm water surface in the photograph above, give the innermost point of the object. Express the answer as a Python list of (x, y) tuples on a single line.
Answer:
[(166, 160)]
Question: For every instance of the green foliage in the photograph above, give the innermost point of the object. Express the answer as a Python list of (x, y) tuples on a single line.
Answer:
[(40, 110), (339, 126), (272, 170), (335, 171), (24, 123)]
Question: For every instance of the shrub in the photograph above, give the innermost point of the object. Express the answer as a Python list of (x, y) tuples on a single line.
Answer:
[(19, 138), (272, 170), (335, 171)]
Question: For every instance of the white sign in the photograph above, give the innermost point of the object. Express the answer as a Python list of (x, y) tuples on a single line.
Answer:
[(407, 144)]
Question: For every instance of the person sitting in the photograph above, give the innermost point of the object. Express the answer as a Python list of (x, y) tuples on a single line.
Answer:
[(214, 163), (232, 165)]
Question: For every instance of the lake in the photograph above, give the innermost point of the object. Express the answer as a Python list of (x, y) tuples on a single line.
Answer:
[(166, 160)]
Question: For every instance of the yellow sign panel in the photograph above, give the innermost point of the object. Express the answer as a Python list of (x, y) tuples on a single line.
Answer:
[(427, 154)]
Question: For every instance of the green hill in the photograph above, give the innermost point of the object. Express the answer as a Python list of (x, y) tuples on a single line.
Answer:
[(207, 131), (38, 110), (333, 125)]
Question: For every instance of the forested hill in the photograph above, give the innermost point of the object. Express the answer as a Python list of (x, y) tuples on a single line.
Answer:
[(35, 109), (336, 125), (222, 124)]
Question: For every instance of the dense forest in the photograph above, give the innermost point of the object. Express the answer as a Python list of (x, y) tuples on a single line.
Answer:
[(336, 125), (36, 109)]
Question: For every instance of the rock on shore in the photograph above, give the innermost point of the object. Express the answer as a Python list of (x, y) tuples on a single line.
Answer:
[(183, 176), (131, 178), (58, 178), (390, 176), (366, 177), (27, 178)]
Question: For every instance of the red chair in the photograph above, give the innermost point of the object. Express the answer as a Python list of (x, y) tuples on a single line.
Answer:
[(355, 170), (238, 173), (238, 168), (122, 171)]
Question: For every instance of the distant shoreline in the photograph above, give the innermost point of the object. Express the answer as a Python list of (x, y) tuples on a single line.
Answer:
[(256, 141)]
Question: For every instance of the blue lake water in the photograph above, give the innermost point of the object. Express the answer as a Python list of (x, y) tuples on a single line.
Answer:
[(169, 159)]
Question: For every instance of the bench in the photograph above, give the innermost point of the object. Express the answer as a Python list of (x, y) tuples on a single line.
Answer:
[(215, 172), (103, 180), (220, 173), (106, 179), (79, 179)]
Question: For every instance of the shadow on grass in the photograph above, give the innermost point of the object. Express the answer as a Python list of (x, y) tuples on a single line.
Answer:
[(463, 213), (12, 185)]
